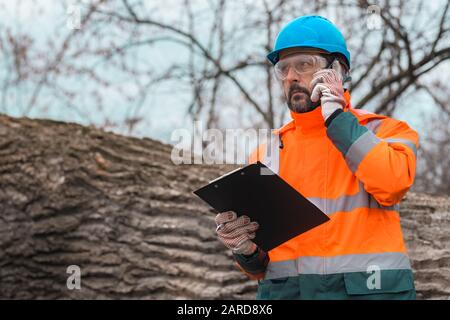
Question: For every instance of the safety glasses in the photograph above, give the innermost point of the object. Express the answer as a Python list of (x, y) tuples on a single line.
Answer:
[(301, 64)]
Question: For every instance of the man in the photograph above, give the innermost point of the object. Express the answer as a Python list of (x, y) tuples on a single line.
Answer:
[(354, 165)]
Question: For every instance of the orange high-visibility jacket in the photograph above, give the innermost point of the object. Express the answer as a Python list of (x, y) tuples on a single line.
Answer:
[(356, 170)]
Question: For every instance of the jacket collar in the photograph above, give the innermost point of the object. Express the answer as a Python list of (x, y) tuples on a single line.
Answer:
[(310, 121)]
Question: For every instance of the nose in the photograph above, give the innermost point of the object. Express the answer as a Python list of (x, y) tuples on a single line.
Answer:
[(292, 76)]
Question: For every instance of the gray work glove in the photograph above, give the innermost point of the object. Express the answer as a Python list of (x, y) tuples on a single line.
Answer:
[(236, 233), (327, 86)]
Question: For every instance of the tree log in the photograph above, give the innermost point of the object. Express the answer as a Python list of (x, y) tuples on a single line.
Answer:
[(118, 208)]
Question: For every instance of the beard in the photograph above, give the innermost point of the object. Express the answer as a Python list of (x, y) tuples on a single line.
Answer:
[(299, 99)]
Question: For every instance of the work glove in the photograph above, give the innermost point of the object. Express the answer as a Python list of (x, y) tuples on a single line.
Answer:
[(236, 233), (327, 85)]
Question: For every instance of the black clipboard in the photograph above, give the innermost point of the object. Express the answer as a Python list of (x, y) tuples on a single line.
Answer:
[(254, 190)]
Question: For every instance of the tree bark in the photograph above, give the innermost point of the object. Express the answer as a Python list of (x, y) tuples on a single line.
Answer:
[(118, 208)]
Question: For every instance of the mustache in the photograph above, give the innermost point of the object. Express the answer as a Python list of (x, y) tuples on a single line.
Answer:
[(296, 88)]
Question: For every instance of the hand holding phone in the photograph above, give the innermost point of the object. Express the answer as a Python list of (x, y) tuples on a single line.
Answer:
[(327, 86)]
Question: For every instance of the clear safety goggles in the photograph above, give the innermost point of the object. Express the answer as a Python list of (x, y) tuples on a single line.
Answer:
[(301, 64)]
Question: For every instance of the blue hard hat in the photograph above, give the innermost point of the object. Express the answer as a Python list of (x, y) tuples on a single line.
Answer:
[(310, 32)]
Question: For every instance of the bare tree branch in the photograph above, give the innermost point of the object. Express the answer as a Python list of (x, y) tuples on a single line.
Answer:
[(204, 51), (58, 57)]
